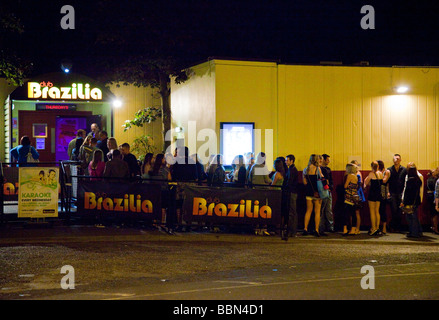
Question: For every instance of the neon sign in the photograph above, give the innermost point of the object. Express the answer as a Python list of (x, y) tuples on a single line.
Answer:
[(78, 91), (58, 106)]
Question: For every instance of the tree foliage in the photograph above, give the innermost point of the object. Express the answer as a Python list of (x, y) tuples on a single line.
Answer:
[(13, 66), (142, 117)]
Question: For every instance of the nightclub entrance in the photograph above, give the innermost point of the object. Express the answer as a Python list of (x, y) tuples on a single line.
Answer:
[(50, 132)]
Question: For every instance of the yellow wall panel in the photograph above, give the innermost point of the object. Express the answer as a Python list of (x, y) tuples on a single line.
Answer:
[(343, 111), (247, 92), (133, 99), (193, 108)]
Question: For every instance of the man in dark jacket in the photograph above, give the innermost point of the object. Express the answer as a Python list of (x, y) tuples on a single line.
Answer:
[(102, 143), (291, 183), (116, 168), (131, 159), (396, 187)]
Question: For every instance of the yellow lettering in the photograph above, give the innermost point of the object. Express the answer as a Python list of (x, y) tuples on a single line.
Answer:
[(33, 90), (241, 208), (96, 94), (232, 207), (90, 200), (199, 208), (8, 189), (139, 203), (147, 206), (221, 210), (54, 93), (108, 204), (210, 208), (248, 209), (118, 206), (265, 212)]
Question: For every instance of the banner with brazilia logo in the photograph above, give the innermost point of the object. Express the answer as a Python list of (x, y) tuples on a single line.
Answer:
[(232, 205)]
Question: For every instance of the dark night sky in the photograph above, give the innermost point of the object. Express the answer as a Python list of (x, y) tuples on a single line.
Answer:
[(301, 32)]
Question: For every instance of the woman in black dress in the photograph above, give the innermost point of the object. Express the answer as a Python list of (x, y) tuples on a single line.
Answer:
[(412, 196), (374, 180)]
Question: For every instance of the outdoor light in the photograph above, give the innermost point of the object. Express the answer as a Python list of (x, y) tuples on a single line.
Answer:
[(66, 65), (117, 103), (401, 89)]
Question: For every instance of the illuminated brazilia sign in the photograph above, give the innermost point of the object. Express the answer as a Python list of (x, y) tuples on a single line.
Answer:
[(77, 91)]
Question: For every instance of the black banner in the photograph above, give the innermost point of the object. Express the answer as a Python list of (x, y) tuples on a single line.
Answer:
[(111, 198), (232, 205)]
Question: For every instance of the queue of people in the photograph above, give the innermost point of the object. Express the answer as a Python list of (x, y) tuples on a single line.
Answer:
[(400, 187)]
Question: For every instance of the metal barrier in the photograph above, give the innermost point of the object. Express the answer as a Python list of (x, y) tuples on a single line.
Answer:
[(172, 212)]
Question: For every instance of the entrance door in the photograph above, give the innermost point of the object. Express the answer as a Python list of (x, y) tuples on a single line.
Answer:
[(37, 125), (65, 131), (41, 127)]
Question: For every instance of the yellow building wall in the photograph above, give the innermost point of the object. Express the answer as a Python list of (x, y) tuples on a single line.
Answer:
[(246, 91), (353, 112), (193, 109), (133, 99), (346, 112)]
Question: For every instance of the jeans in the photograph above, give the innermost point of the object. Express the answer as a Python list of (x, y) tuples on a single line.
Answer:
[(415, 228), (326, 215), (395, 201)]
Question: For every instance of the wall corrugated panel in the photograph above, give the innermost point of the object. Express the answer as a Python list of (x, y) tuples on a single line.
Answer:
[(353, 111)]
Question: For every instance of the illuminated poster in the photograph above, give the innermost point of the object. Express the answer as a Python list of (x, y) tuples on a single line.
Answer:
[(38, 192), (236, 139)]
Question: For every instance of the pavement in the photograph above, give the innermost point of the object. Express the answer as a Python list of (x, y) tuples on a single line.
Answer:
[(25, 233)]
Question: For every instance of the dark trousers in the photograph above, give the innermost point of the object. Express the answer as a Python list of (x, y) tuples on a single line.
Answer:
[(292, 214), (383, 211), (415, 228), (395, 201), (350, 217)]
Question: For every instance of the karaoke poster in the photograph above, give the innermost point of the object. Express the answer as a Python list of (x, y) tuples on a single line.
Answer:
[(38, 192)]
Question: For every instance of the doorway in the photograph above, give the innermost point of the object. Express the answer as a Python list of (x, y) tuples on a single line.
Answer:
[(65, 131), (50, 132)]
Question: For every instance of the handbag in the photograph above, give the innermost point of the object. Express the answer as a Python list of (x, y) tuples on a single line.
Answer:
[(410, 208), (323, 192), (30, 158), (383, 189)]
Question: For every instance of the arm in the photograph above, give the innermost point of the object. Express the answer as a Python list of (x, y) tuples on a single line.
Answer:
[(348, 179), (367, 180), (421, 191), (402, 198), (387, 174), (35, 153), (267, 179)]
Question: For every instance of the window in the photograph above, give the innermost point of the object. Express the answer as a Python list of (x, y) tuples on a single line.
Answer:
[(237, 138), (39, 130)]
